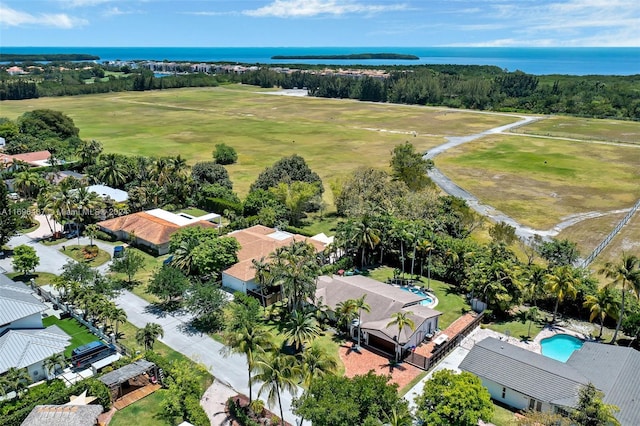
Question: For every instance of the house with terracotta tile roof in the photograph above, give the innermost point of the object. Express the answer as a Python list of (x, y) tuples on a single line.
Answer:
[(33, 159), (153, 228), (259, 242)]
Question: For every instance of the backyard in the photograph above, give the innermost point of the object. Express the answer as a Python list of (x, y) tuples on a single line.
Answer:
[(79, 333)]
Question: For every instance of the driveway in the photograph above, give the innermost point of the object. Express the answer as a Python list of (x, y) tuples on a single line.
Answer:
[(231, 370)]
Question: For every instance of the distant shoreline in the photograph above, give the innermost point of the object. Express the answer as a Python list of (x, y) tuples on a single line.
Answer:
[(351, 56), (46, 57)]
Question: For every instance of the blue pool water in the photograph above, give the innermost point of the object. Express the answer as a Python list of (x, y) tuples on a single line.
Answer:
[(421, 293), (560, 347)]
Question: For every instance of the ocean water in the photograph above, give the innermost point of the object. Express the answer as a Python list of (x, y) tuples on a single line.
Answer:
[(572, 61)]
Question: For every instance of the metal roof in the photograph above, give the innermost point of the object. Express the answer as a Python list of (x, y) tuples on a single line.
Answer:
[(127, 372), (524, 371), (22, 348), (63, 415), (17, 301)]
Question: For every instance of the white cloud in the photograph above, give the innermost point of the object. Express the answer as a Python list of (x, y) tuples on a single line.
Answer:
[(309, 8), (15, 18), (116, 11), (83, 3)]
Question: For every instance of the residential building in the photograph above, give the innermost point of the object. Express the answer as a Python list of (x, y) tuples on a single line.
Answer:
[(259, 242), (523, 379), (154, 228), (104, 191), (385, 300), (33, 159), (64, 415), (24, 342)]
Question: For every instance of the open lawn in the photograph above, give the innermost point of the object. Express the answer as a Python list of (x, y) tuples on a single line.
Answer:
[(145, 412), (585, 129), (151, 263), (80, 335), (450, 302), (334, 136), (193, 211), (503, 416), (539, 181), (41, 278)]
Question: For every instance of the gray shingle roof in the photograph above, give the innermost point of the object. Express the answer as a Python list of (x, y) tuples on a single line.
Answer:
[(527, 372), (63, 415), (22, 348), (615, 371), (17, 301)]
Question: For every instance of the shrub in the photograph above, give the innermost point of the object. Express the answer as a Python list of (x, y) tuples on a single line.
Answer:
[(101, 235), (195, 413), (225, 154)]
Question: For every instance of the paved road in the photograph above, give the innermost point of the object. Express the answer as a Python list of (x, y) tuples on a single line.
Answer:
[(231, 370)]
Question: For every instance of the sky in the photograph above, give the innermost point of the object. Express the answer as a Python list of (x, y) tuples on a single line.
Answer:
[(310, 23)]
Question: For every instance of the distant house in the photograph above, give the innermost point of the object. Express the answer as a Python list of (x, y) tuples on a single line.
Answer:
[(24, 342), (384, 300), (257, 242), (104, 191), (524, 379), (33, 159), (153, 228)]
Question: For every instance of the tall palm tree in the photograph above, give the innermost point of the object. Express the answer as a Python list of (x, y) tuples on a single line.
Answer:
[(561, 283), (346, 311), (366, 237), (361, 305), (601, 305), (427, 246), (116, 317), (264, 278), (29, 183), (316, 363), (301, 328), (399, 416), (89, 151), (183, 255), (401, 320), (250, 341), (91, 231), (626, 276), (51, 363), (112, 170), (532, 315), (295, 268), (147, 336), (277, 372)]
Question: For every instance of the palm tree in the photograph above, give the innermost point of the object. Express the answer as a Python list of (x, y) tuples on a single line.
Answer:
[(398, 417), (92, 232), (361, 305), (602, 304), (17, 379), (183, 255), (302, 327), (625, 275), (401, 320), (346, 312), (112, 170), (295, 268), (316, 363), (365, 236), (533, 281), (532, 315), (561, 283), (28, 183), (89, 151), (427, 246), (263, 277), (51, 363), (277, 372), (250, 341), (147, 336)]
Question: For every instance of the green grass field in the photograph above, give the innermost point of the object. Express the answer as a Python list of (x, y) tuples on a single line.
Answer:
[(539, 181), (334, 136), (75, 252), (80, 335), (585, 129)]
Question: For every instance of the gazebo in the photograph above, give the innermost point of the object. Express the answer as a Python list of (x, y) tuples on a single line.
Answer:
[(132, 382)]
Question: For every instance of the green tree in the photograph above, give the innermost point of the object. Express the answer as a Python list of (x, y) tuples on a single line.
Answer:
[(532, 314), (277, 372), (89, 151), (92, 232), (451, 399), (561, 283), (29, 183), (183, 384), (346, 311), (209, 172), (341, 401), (295, 268), (8, 216), (25, 259), (287, 170), (361, 305), (129, 264), (16, 380), (401, 320), (206, 302), (225, 154), (601, 305), (559, 252), (47, 124), (147, 336), (250, 341), (410, 167), (503, 233), (315, 363), (112, 170), (296, 197), (301, 328), (52, 363), (168, 283), (591, 411), (211, 257), (626, 276)]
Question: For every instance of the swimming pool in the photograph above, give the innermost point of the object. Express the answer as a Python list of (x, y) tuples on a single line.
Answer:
[(426, 302), (560, 347)]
